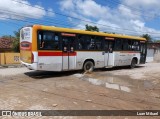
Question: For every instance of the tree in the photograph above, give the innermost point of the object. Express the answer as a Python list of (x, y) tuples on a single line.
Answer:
[(157, 41), (91, 28), (110, 32), (148, 37), (16, 41), (7, 37)]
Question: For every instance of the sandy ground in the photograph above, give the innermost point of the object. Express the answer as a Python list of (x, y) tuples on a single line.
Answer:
[(105, 89)]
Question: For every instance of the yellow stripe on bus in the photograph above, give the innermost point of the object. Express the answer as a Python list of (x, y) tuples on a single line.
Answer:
[(52, 28)]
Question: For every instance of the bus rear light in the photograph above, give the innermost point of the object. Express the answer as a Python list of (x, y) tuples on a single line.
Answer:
[(32, 58)]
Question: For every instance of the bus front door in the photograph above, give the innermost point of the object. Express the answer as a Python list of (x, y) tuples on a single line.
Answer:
[(143, 53), (68, 53), (109, 53)]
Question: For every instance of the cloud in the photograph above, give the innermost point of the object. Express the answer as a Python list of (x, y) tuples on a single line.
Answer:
[(120, 19), (87, 8), (50, 12), (142, 3), (151, 7), (21, 9)]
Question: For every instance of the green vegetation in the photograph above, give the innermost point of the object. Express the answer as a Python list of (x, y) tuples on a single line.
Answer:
[(157, 41), (91, 28), (15, 40), (148, 37)]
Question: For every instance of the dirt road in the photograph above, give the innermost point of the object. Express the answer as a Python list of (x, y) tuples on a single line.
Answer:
[(104, 89)]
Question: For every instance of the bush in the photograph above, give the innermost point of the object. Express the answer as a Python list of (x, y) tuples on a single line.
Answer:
[(15, 46)]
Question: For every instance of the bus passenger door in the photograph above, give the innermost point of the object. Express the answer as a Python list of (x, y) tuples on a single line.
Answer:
[(68, 53), (143, 52), (109, 53)]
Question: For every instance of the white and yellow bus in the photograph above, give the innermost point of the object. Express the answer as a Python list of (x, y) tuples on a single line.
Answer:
[(52, 48)]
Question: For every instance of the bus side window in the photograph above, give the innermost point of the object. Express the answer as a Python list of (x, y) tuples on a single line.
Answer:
[(86, 42), (98, 43), (48, 40), (125, 44), (129, 44), (111, 46), (118, 45), (106, 45), (80, 42), (83, 42), (135, 45), (91, 43), (40, 40), (56, 41)]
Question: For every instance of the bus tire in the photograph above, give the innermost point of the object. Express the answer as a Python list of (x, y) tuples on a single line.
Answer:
[(133, 63), (88, 66)]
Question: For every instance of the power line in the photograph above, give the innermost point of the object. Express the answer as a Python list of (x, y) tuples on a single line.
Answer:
[(43, 20), (22, 20), (74, 17), (25, 16), (83, 20), (132, 9), (26, 21)]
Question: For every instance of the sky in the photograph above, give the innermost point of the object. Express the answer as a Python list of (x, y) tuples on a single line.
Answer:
[(129, 17)]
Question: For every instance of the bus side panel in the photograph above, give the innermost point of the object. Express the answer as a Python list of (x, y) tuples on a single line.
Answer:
[(125, 58), (26, 45), (72, 62), (49, 63), (98, 58), (109, 60)]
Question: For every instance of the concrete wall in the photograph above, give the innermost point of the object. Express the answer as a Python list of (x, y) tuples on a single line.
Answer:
[(157, 55), (9, 58), (153, 55), (150, 55), (2, 61)]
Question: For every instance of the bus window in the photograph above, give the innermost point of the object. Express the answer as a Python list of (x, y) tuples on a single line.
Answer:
[(83, 42), (118, 45), (111, 46), (48, 40), (125, 45), (108, 46), (98, 43), (129, 44), (135, 45), (89, 42), (56, 41), (68, 43)]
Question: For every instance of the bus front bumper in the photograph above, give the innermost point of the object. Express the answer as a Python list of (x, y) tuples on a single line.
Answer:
[(32, 66)]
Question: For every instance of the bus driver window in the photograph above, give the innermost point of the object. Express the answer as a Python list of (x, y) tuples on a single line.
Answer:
[(42, 44)]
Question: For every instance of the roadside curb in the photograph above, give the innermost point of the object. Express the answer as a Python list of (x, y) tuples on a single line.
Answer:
[(11, 66)]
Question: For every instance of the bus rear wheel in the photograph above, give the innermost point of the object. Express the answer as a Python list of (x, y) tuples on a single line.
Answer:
[(133, 64), (88, 66)]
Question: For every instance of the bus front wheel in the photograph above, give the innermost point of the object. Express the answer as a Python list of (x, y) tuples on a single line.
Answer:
[(133, 63), (88, 66)]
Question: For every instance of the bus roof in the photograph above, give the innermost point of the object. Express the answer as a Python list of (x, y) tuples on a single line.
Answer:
[(68, 30)]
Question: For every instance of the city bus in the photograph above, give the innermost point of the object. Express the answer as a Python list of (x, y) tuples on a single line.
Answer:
[(50, 48)]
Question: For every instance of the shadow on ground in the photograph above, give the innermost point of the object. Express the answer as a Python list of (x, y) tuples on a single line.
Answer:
[(116, 68), (51, 74)]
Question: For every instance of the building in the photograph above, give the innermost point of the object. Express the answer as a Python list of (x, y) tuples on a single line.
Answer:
[(153, 52), (6, 45)]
